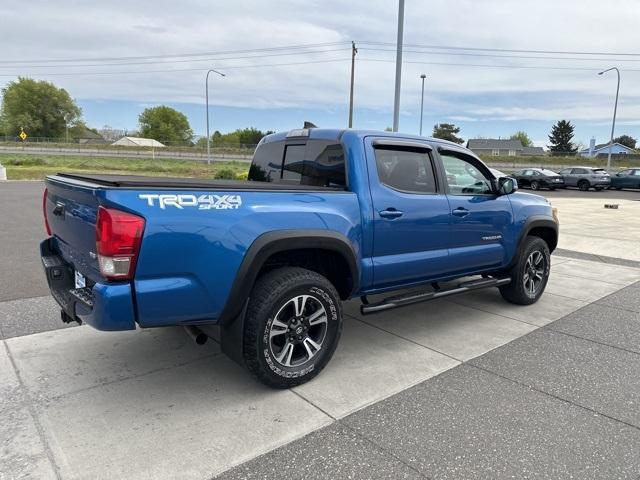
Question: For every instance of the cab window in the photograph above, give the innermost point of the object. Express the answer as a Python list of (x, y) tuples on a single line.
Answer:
[(464, 177), (405, 169)]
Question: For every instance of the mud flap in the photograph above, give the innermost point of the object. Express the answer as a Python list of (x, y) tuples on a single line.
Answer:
[(232, 336)]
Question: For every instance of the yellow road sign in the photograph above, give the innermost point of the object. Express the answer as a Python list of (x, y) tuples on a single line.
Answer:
[(23, 135)]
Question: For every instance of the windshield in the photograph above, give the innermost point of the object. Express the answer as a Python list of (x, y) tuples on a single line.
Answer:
[(548, 173), (600, 171)]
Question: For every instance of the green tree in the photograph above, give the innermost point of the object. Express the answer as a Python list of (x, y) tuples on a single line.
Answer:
[(166, 125), (38, 107), (523, 137), (447, 131), (626, 140), (561, 136)]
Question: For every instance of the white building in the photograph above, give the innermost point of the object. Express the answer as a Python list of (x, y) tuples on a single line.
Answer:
[(138, 142)]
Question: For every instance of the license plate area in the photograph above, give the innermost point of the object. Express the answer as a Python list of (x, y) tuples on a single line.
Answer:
[(79, 280)]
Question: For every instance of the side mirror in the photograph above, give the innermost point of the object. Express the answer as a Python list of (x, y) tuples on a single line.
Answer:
[(507, 185)]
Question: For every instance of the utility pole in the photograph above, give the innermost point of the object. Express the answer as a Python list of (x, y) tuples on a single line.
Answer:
[(354, 50), (615, 111), (206, 86), (423, 76), (396, 99)]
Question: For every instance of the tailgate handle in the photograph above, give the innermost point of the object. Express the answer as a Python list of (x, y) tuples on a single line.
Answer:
[(58, 209)]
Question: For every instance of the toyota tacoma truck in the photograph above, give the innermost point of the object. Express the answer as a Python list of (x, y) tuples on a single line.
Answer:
[(325, 216)]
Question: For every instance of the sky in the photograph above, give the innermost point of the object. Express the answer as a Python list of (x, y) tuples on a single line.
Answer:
[(81, 47)]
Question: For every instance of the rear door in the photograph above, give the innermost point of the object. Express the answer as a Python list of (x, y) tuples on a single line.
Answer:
[(411, 212), (480, 219)]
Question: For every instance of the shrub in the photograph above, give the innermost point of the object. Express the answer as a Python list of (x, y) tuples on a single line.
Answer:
[(225, 174)]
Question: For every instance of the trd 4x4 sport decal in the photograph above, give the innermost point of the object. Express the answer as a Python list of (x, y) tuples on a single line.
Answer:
[(203, 202)]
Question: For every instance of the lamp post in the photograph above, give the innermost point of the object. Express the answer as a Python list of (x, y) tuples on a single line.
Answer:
[(423, 76), (396, 98), (206, 84), (615, 111)]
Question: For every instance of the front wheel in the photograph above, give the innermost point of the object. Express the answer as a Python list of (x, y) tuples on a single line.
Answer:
[(598, 189), (535, 185), (530, 274), (292, 327)]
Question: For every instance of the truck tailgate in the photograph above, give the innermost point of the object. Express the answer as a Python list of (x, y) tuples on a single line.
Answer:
[(71, 211)]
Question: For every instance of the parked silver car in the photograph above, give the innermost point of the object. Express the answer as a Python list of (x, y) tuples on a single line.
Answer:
[(586, 177)]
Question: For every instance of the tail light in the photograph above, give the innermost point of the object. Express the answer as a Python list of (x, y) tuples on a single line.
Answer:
[(44, 211), (118, 238)]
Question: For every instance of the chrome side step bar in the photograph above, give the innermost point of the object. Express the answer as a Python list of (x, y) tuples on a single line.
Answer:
[(400, 301)]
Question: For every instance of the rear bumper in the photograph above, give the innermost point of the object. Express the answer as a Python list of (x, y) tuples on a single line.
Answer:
[(104, 306)]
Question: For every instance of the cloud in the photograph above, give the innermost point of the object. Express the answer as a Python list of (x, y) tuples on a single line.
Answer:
[(459, 91)]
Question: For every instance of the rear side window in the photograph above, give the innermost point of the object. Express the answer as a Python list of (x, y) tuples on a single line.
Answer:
[(579, 171), (319, 163), (407, 170)]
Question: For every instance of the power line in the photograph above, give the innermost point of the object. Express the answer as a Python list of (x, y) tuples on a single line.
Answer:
[(178, 55), (533, 67), (495, 55), (308, 52), (231, 67), (505, 50)]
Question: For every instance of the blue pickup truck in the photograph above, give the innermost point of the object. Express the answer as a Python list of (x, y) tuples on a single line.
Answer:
[(325, 216)]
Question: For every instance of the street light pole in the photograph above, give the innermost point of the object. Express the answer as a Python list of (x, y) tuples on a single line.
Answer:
[(206, 86), (423, 76), (396, 99), (615, 111)]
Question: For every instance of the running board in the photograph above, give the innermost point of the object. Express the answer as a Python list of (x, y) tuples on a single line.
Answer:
[(395, 302)]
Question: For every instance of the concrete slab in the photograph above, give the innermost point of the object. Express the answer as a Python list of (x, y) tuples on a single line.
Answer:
[(66, 361), (370, 365), (595, 376), (585, 289), (191, 421), (22, 453), (598, 271), (332, 452), (30, 315), (608, 325), (549, 308), (455, 330), (467, 423)]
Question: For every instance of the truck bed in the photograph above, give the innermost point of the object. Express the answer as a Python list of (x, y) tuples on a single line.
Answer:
[(142, 181)]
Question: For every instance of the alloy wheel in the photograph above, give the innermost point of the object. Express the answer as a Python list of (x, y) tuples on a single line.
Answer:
[(534, 270), (298, 331)]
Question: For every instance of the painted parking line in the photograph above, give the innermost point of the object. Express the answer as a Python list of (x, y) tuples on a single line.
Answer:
[(163, 407)]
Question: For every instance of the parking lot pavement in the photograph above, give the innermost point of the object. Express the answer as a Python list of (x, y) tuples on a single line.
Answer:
[(151, 404)]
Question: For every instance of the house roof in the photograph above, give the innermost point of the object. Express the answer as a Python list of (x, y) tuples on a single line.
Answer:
[(601, 146), (494, 144), (138, 141), (533, 150)]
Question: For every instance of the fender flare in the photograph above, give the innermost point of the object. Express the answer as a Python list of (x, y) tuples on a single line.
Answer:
[(535, 221), (231, 320)]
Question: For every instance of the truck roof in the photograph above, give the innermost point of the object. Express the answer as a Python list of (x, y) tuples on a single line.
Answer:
[(337, 134)]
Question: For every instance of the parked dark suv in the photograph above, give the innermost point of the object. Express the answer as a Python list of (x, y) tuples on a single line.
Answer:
[(536, 178), (586, 177), (629, 178)]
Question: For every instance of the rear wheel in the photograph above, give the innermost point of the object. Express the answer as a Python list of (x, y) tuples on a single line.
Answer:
[(583, 185), (530, 274), (292, 328), (535, 185)]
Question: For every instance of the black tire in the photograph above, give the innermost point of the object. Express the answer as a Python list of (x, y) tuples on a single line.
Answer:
[(618, 188), (534, 185), (583, 185), (598, 189), (282, 302), (518, 290), (552, 189)]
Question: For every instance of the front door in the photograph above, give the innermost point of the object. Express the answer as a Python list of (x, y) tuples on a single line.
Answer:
[(480, 219), (410, 213)]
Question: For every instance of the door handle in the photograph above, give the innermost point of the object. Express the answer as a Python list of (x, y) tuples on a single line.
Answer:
[(460, 212), (390, 213)]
